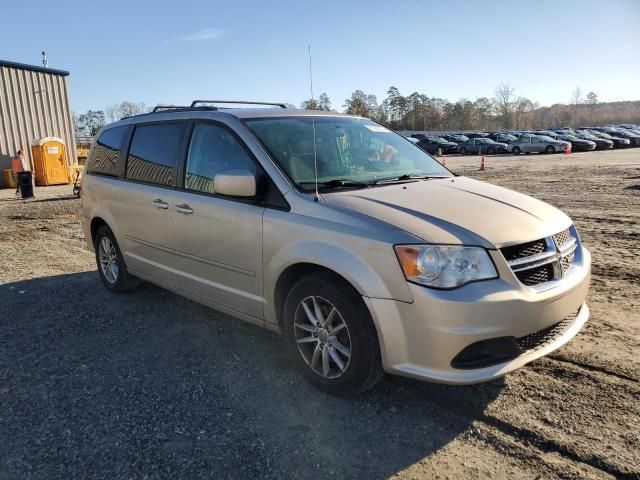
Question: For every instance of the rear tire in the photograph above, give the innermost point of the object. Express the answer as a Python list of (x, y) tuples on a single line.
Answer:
[(491, 151), (337, 352), (111, 267), (515, 150), (463, 151), (550, 149)]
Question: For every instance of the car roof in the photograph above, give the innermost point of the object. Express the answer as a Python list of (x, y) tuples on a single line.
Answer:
[(218, 113)]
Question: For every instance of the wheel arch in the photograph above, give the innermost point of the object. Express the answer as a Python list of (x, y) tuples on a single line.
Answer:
[(297, 260)]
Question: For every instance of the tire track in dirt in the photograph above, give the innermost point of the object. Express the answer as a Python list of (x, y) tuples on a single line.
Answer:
[(576, 415), (591, 367)]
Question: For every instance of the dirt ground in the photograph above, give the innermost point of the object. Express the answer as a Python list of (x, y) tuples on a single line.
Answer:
[(150, 385)]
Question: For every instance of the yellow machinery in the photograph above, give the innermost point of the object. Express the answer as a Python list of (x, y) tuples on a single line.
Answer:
[(83, 145), (50, 161)]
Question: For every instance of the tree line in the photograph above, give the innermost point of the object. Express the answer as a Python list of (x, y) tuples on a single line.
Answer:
[(418, 111), (88, 123), (505, 109)]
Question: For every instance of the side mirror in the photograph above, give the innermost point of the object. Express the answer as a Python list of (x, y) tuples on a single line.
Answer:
[(235, 183)]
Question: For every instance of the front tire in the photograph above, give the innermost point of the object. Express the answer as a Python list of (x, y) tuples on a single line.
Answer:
[(491, 151), (331, 335), (463, 151), (111, 267)]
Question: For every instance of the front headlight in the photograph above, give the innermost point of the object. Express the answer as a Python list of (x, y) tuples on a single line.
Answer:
[(444, 266)]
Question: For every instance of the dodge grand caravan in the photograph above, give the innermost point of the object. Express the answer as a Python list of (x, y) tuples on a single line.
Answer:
[(359, 247)]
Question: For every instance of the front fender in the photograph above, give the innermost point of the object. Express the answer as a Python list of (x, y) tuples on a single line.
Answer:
[(346, 263)]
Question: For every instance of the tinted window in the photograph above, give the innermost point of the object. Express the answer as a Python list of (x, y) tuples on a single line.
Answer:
[(153, 153), (105, 153), (212, 150)]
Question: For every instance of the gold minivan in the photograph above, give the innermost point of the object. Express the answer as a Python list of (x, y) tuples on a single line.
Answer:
[(360, 248)]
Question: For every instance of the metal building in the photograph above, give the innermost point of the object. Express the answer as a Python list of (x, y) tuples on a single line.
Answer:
[(34, 103)]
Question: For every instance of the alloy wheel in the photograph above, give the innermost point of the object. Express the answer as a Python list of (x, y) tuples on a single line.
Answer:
[(322, 337), (108, 259)]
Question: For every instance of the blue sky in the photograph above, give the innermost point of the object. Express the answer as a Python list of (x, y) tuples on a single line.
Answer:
[(155, 53)]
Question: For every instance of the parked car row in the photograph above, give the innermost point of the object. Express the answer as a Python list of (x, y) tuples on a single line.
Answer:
[(582, 139)]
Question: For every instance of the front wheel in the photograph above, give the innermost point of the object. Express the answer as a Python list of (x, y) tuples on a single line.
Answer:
[(463, 151), (491, 151), (331, 335), (550, 149), (111, 267)]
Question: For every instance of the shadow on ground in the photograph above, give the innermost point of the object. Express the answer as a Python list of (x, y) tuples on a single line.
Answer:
[(151, 385)]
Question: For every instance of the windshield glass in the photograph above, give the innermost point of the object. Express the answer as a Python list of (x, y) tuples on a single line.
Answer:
[(351, 149), (437, 139), (461, 138)]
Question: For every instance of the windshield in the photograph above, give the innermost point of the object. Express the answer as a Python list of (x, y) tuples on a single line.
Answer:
[(461, 138), (437, 139), (347, 149), (602, 134)]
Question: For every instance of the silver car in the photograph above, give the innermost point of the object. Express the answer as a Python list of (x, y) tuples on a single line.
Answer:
[(537, 144), (360, 248)]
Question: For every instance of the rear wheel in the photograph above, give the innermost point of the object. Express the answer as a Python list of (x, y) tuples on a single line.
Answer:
[(331, 335), (516, 150), (111, 267), (463, 151), (550, 149)]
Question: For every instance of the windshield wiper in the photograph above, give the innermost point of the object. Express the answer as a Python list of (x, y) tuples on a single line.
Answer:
[(405, 178), (338, 183)]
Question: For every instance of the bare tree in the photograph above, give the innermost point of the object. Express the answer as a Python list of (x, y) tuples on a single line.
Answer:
[(111, 114), (576, 99), (505, 99)]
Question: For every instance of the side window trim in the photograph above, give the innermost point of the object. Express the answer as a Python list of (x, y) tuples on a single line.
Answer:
[(124, 151)]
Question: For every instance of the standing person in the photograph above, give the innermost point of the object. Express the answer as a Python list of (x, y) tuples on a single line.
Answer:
[(19, 164)]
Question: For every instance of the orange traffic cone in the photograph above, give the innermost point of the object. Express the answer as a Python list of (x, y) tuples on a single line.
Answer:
[(482, 164), (567, 151)]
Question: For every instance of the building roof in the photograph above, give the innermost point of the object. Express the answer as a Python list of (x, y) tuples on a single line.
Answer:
[(33, 68)]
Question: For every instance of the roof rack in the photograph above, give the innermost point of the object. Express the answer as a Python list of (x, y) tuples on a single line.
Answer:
[(195, 103), (162, 108)]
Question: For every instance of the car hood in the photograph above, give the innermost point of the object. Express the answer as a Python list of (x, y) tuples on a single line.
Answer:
[(456, 210)]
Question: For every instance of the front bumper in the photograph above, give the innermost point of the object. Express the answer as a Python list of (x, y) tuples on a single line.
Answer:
[(422, 338)]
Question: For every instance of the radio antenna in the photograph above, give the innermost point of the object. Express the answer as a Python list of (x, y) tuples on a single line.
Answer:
[(313, 127)]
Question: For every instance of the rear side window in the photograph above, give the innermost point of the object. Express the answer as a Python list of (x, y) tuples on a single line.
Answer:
[(153, 154), (106, 151), (213, 149)]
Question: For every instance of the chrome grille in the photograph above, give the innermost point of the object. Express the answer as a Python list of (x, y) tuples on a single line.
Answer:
[(567, 261), (537, 340), (535, 276), (524, 250), (562, 237), (541, 262)]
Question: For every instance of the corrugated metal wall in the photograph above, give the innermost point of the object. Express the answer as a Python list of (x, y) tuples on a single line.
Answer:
[(33, 105)]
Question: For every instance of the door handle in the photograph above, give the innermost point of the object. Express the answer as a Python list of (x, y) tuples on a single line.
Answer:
[(158, 202), (184, 208)]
